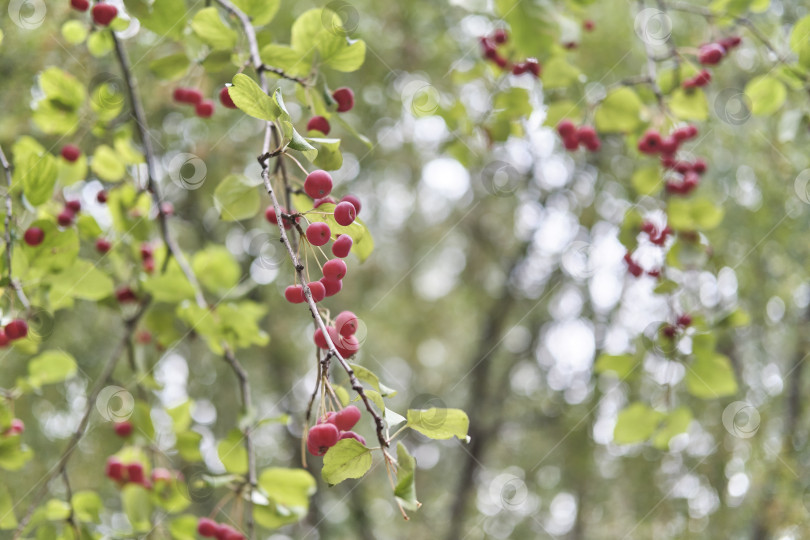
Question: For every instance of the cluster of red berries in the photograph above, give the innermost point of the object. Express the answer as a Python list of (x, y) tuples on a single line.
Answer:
[(657, 237), (211, 529), (335, 426), (68, 214), (572, 136), (711, 54), (682, 323), (652, 142), (102, 13), (15, 428), (489, 46), (342, 334), (128, 473), (344, 97), (14, 330), (204, 108)]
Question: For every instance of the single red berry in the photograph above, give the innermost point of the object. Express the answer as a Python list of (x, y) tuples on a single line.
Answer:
[(318, 184), (346, 323), (146, 251), (318, 233), (669, 331), (342, 246), (588, 25), (711, 54), (319, 123), (320, 340), (684, 320), (519, 69), (345, 99), (207, 527), (65, 218), (323, 200), (355, 202), (294, 294), (125, 294), (167, 208), (101, 196), (71, 153), (332, 287), (144, 337), (566, 128), (347, 418), (225, 98), (123, 429), (353, 435), (193, 96), (593, 145), (348, 346), (330, 416), (650, 142), (500, 36), (74, 205), (533, 66), (233, 534), (571, 143), (103, 245), (16, 329), (80, 5), (317, 289), (16, 427), (669, 145), (4, 341), (730, 42), (205, 108), (570, 45), (149, 265), (500, 61), (34, 236), (699, 166), (103, 14), (114, 468), (345, 213), (270, 215), (586, 134), (321, 438), (181, 94), (135, 473), (334, 270), (690, 181)]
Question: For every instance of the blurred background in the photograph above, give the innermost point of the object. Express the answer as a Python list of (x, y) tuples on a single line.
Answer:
[(496, 282)]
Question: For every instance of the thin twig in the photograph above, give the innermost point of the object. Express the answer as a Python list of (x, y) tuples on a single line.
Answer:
[(15, 285)]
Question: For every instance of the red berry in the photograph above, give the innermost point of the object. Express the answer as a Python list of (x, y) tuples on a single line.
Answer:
[(74, 206), (342, 246), (355, 202), (319, 123), (270, 215), (294, 294), (123, 429), (69, 152), (318, 233), (4, 341), (143, 336), (588, 25), (699, 166), (34, 236), (332, 287), (101, 196), (167, 208), (501, 62), (207, 527), (225, 98), (15, 428), (669, 145), (347, 418), (534, 66), (125, 294), (348, 346), (162, 475), (80, 5), (318, 184), (205, 108), (570, 45), (345, 99), (586, 133), (566, 128), (346, 323), (16, 329), (103, 14), (669, 331), (684, 320), (114, 468), (711, 54), (181, 94), (500, 36), (321, 438), (519, 69), (593, 144), (65, 218), (317, 289), (334, 270), (353, 435), (103, 245), (320, 340), (730, 42), (571, 143), (135, 473), (323, 200), (146, 251), (345, 213), (650, 142)]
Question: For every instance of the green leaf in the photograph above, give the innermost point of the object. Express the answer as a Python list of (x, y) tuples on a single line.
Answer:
[(347, 459), (800, 40), (7, 519), (558, 72), (13, 455), (260, 12), (209, 27), (184, 527), (100, 43), (58, 250), (165, 18), (439, 423), (689, 105), (107, 165), (87, 506), (232, 453), (74, 32), (290, 487), (711, 376), (71, 172), (216, 269), (329, 157), (62, 87), (306, 32), (170, 68), (51, 367), (37, 175), (170, 286), (691, 214), (252, 100), (620, 364), (137, 506), (56, 510), (82, 280), (365, 375), (405, 491), (237, 198), (286, 58), (767, 95), (647, 180), (181, 416), (188, 446), (619, 112), (636, 423), (675, 423), (343, 55)]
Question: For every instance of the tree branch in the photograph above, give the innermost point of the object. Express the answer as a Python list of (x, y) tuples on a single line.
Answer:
[(16, 286)]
